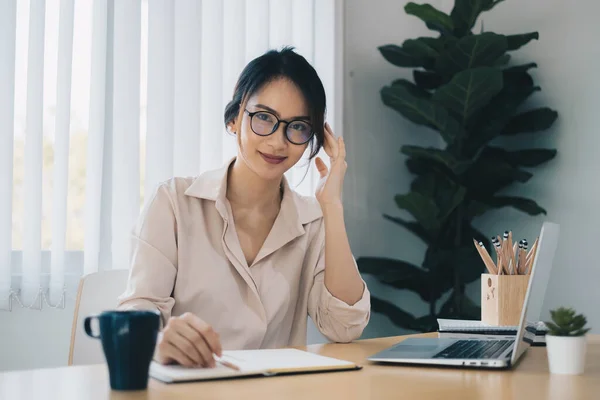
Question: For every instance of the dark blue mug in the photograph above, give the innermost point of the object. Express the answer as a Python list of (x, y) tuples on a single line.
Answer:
[(128, 340)]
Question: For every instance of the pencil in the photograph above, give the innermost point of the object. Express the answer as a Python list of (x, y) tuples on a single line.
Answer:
[(515, 258), (533, 247), (227, 364), (505, 253), (487, 260), (510, 247), (531, 257), (496, 245), (522, 256), (519, 260)]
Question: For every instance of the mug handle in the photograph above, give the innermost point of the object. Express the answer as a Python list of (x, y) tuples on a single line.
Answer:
[(87, 325)]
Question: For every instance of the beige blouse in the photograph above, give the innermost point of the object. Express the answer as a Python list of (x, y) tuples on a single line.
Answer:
[(186, 257)]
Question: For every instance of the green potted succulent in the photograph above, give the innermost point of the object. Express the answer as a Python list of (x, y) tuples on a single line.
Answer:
[(566, 341)]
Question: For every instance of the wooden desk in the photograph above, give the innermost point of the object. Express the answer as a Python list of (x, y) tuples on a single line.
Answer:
[(529, 380)]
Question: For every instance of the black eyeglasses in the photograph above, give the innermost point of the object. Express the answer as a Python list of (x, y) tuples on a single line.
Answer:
[(264, 123)]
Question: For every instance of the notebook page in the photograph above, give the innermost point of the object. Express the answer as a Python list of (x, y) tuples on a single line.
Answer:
[(282, 360), (175, 373)]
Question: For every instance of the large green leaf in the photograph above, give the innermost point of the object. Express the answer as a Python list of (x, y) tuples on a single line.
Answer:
[(424, 48), (427, 80), (419, 166), (389, 270), (422, 208), (413, 227), (492, 119), (475, 208), (464, 260), (433, 18), (525, 158), (502, 60), (446, 193), (536, 120), (399, 57), (424, 184), (426, 323), (451, 202), (398, 316), (469, 91), (465, 13), (437, 156), (422, 111), (473, 51), (441, 276), (398, 274), (520, 203), (489, 174), (460, 306), (517, 41), (518, 75), (412, 88)]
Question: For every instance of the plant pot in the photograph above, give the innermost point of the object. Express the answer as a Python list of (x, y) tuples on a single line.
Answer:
[(566, 354)]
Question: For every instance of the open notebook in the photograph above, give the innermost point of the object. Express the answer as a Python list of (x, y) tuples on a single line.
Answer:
[(241, 363)]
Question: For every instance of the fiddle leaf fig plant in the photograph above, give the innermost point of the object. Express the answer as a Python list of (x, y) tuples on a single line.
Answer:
[(466, 89)]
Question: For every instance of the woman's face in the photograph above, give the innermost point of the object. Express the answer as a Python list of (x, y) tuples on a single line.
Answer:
[(271, 156)]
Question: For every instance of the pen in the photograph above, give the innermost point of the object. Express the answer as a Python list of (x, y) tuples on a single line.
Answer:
[(227, 364)]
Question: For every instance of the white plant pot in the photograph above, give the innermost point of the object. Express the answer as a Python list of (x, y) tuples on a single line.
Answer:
[(566, 354)]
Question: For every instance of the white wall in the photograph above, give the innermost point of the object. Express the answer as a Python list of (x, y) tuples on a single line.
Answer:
[(568, 57), (35, 339)]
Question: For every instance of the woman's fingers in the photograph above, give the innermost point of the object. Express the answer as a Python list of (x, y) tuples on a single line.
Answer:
[(200, 346), (342, 148), (206, 331), (189, 341), (321, 167), (332, 150), (171, 351)]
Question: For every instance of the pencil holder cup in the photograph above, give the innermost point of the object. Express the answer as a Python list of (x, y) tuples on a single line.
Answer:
[(502, 298)]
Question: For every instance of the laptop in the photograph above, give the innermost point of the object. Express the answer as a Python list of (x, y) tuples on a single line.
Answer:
[(485, 353)]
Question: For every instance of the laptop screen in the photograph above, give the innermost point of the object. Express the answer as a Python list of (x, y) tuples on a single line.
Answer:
[(540, 275)]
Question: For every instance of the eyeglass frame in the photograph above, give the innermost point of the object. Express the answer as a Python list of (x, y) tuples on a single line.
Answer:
[(276, 126)]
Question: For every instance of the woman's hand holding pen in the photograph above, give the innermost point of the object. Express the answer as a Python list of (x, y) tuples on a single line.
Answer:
[(189, 341)]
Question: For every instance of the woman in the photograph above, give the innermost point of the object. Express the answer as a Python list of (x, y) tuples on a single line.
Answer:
[(236, 259)]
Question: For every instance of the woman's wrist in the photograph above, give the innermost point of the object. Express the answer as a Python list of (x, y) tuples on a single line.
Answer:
[(332, 207)]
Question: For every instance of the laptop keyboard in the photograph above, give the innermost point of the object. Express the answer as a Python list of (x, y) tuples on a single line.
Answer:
[(475, 349)]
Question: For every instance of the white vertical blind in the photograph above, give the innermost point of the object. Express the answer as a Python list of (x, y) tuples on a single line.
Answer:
[(280, 34), (61, 150), (186, 102), (234, 54), (280, 23), (8, 27), (211, 76), (257, 28), (32, 193), (325, 52), (159, 136), (303, 38), (95, 144), (126, 127)]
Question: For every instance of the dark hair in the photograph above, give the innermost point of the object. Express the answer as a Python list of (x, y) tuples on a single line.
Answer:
[(288, 64)]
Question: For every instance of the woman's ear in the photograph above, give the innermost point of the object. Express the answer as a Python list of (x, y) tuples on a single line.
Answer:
[(232, 127)]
